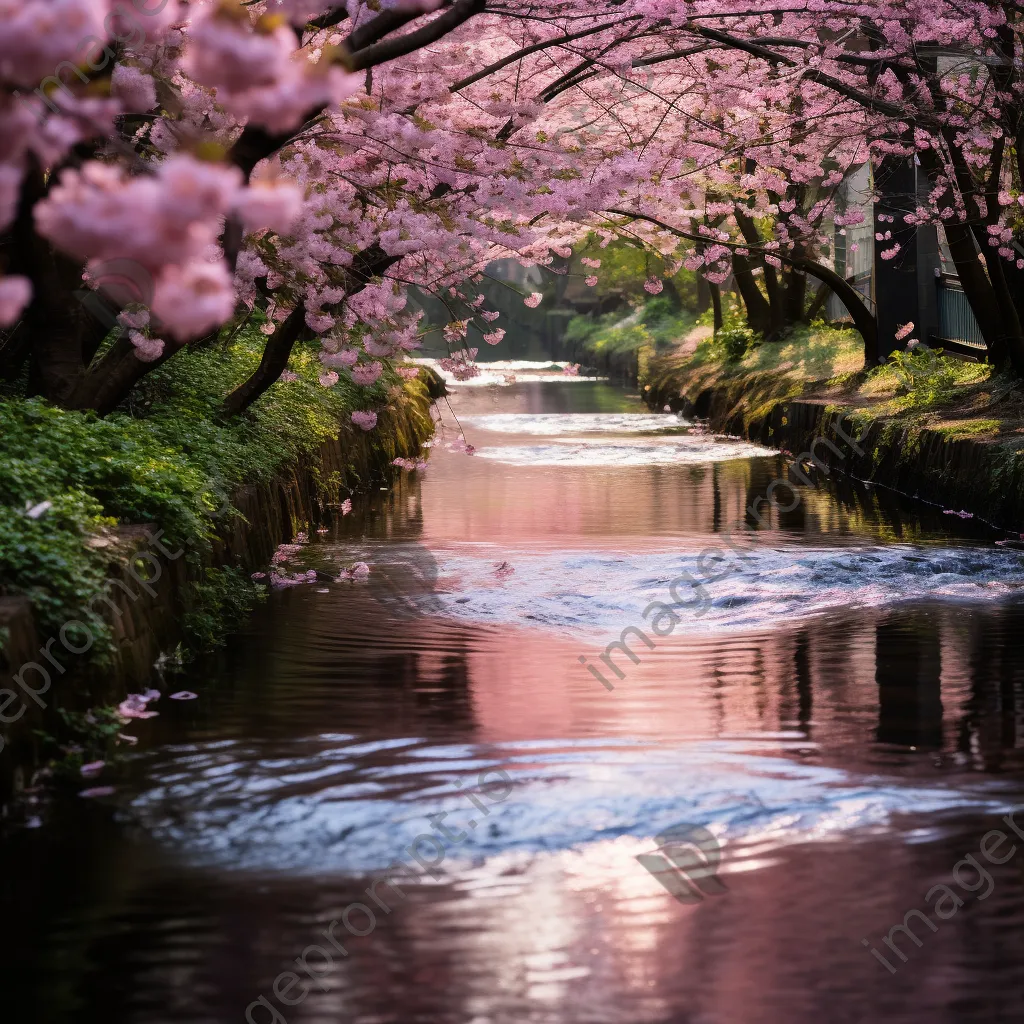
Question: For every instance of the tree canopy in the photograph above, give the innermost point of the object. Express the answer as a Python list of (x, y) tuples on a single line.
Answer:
[(166, 166)]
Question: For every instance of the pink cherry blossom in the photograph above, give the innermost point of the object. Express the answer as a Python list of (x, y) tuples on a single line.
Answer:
[(134, 706), (351, 188), (367, 373), (146, 349), (15, 295), (358, 572), (189, 300), (455, 330), (275, 205), (134, 319), (10, 182), (460, 444), (228, 53), (36, 35), (365, 420), (134, 88)]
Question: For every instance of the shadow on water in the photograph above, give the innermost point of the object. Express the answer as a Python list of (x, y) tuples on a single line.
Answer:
[(847, 733)]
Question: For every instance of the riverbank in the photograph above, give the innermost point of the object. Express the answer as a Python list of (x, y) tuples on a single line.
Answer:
[(135, 537), (928, 425)]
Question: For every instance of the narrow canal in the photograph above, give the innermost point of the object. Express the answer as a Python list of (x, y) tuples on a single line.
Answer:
[(837, 705)]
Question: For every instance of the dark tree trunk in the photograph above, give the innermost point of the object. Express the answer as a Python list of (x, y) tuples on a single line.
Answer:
[(819, 300), (371, 262), (863, 318), (55, 320), (776, 305), (107, 384), (978, 289), (703, 294), (988, 294), (759, 317), (1012, 339), (716, 304), (13, 352), (796, 297)]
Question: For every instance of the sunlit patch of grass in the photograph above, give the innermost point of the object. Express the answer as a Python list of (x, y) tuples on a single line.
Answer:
[(817, 352), (923, 379), (960, 429)]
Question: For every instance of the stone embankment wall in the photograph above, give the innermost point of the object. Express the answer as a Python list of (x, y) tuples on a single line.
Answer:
[(982, 476)]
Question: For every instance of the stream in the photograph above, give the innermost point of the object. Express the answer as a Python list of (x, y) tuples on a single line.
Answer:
[(834, 711)]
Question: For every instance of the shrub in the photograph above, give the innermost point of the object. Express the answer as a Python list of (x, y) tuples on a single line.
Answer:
[(922, 377), (735, 341)]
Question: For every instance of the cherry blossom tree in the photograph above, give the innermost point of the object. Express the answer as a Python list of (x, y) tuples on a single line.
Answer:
[(179, 165)]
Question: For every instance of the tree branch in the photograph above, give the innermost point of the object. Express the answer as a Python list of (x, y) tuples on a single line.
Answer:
[(389, 49), (527, 50), (256, 144), (863, 319), (276, 354), (371, 262)]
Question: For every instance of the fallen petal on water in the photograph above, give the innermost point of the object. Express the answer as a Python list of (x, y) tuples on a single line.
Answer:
[(134, 709)]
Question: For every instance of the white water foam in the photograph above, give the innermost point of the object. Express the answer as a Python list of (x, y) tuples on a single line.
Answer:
[(495, 373), (691, 450), (597, 591), (561, 424)]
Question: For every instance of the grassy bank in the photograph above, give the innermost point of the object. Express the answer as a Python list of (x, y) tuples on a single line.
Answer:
[(930, 425), (919, 389), (68, 478)]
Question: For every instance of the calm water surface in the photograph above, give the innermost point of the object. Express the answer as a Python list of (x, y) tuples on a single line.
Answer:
[(843, 714)]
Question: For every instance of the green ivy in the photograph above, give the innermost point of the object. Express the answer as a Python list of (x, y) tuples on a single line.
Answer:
[(167, 458)]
